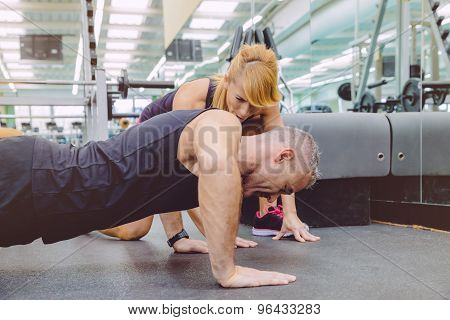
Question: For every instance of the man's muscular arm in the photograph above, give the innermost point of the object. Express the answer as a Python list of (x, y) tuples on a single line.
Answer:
[(216, 144)]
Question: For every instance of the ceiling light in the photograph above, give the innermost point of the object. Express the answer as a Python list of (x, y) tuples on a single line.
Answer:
[(136, 4), (21, 74), (197, 23), (115, 65), (8, 45), (120, 46), (98, 19), (117, 56), (169, 74), (122, 33), (14, 65), (12, 31), (156, 68), (134, 19), (11, 56), (217, 6), (250, 22), (223, 47), (113, 72), (199, 36), (444, 10), (285, 61), (10, 16), (175, 67)]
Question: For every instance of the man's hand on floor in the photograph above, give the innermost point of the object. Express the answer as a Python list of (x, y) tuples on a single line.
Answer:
[(244, 243), (248, 277), (186, 245), (292, 224)]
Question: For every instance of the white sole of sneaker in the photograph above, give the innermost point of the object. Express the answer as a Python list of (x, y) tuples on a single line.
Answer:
[(267, 233)]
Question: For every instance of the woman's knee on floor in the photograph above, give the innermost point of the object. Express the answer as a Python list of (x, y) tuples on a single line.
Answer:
[(135, 230)]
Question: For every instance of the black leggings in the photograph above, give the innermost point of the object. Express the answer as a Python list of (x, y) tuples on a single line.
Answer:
[(17, 218)]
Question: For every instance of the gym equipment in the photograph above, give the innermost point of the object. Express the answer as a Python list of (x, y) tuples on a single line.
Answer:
[(367, 102), (344, 91), (413, 97), (315, 109)]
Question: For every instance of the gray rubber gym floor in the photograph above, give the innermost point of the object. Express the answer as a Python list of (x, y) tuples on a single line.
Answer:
[(370, 262)]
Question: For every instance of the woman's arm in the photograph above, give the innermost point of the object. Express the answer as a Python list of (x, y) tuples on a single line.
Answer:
[(271, 118)]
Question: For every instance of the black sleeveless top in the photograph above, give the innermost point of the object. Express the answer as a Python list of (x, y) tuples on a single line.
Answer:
[(165, 103), (109, 183)]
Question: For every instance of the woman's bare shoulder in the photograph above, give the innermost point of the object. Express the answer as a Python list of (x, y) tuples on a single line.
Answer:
[(192, 94)]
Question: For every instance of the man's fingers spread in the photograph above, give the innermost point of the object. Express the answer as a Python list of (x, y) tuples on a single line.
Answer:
[(278, 236), (299, 238)]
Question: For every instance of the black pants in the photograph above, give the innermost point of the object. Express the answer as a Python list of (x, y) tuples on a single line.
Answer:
[(18, 223)]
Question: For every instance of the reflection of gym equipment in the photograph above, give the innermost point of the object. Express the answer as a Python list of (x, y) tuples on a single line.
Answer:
[(315, 109), (76, 133), (413, 97)]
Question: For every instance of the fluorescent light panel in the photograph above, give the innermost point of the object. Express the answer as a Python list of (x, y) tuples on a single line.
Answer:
[(135, 4), (10, 16), (115, 65), (249, 22), (11, 56), (12, 31), (199, 36), (8, 45), (217, 6), (21, 74), (131, 19), (117, 56), (120, 46), (197, 23), (156, 68), (223, 47), (123, 34), (18, 66)]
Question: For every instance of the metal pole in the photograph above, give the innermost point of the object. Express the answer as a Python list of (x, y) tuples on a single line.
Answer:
[(101, 105), (373, 44), (402, 53), (90, 127)]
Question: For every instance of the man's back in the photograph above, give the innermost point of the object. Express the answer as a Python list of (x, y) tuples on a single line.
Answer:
[(109, 183)]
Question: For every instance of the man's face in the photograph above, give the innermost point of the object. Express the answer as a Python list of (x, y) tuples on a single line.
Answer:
[(273, 179)]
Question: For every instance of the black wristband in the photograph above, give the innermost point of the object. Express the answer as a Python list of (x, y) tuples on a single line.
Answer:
[(180, 235)]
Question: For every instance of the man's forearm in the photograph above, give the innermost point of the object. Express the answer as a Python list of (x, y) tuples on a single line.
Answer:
[(220, 197)]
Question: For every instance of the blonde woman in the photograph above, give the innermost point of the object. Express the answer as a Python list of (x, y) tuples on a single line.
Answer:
[(248, 90)]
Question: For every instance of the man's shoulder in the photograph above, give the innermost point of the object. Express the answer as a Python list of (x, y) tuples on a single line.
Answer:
[(220, 117)]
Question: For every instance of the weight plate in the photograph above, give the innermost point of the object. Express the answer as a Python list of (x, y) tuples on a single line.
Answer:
[(367, 102), (344, 91), (411, 96)]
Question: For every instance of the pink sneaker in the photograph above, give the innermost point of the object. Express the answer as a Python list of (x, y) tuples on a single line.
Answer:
[(269, 224)]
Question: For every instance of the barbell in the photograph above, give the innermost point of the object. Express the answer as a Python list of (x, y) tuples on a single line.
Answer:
[(123, 83)]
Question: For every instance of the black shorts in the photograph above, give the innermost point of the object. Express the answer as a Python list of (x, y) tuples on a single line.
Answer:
[(18, 223)]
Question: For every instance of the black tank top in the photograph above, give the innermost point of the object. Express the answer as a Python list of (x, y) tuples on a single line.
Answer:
[(109, 183), (165, 103)]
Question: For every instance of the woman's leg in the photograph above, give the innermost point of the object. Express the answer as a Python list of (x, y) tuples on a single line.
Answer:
[(131, 231)]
